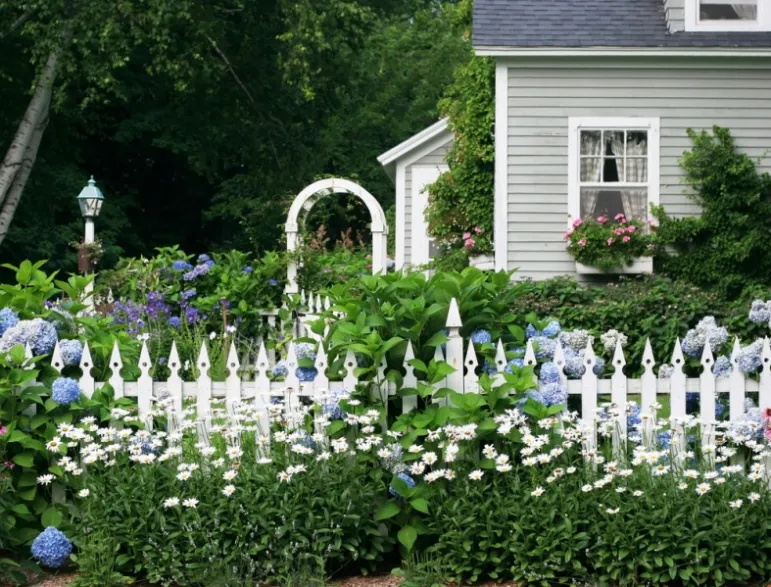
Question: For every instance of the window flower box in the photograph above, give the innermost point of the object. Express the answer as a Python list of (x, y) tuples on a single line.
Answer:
[(638, 267), (483, 262)]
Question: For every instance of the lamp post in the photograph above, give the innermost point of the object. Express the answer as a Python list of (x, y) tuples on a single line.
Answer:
[(90, 201)]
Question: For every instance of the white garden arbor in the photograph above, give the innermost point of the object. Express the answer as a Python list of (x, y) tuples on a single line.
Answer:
[(304, 203)]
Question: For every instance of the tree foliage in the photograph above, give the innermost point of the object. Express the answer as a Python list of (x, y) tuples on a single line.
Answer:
[(728, 246)]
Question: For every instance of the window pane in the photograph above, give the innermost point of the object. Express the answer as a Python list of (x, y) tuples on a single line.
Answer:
[(728, 10), (591, 142), (636, 169), (631, 202), (591, 169), (614, 143), (636, 143)]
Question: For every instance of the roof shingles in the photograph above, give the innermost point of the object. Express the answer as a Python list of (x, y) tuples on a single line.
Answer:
[(591, 23)]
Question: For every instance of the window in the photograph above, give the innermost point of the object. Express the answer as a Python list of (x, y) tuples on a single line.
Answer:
[(728, 15), (613, 167)]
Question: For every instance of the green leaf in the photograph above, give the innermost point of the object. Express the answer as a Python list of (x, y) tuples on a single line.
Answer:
[(407, 536), (389, 510), (24, 459), (420, 504), (51, 517)]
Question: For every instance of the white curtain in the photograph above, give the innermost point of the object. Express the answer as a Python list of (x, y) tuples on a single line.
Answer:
[(635, 201), (746, 11), (591, 171)]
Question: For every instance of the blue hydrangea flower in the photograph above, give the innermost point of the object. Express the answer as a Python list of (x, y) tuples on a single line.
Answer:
[(481, 336), (665, 371), (550, 373), (544, 348), (203, 258), (51, 548), (552, 329), (8, 318), (516, 362), (175, 322), (706, 330), (550, 394), (72, 351), (664, 439), (599, 366), (306, 374), (247, 270), (280, 369), (272, 282), (188, 293), (332, 408), (722, 367), (407, 479), (181, 266), (306, 350), (64, 391), (489, 367), (760, 313), (37, 333), (575, 367), (633, 417), (531, 332), (749, 359), (576, 340)]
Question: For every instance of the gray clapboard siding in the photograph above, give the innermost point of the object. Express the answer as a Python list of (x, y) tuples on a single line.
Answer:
[(675, 12), (542, 100), (435, 157)]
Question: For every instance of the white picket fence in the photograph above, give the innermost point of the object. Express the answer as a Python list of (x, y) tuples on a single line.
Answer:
[(458, 354)]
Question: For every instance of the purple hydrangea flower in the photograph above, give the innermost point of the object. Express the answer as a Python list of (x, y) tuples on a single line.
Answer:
[(8, 318), (51, 548), (175, 322), (191, 315), (181, 266), (188, 293), (72, 351), (65, 391)]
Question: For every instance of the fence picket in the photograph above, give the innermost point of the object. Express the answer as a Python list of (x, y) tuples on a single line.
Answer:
[(56, 357), (589, 398), (764, 391), (409, 402), (439, 357), (736, 386), (292, 382), (500, 363), (618, 398), (677, 401), (648, 395), (116, 364), (471, 380), (262, 390), (454, 347), (707, 401), (559, 360), (233, 381), (144, 383), (203, 395), (86, 380)]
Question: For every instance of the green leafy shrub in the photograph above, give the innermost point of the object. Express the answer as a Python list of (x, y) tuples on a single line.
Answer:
[(727, 247), (609, 244)]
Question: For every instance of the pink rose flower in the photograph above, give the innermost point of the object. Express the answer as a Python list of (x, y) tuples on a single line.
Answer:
[(469, 243), (477, 230), (631, 228), (626, 239), (568, 234), (619, 216), (466, 235), (578, 222), (610, 241), (619, 231), (602, 219), (582, 242)]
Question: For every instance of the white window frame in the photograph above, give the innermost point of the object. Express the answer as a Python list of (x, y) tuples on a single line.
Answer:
[(692, 22), (577, 124)]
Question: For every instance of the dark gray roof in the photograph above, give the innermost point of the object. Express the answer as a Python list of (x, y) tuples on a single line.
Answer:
[(591, 23)]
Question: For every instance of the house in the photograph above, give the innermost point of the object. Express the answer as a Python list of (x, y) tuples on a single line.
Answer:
[(593, 100)]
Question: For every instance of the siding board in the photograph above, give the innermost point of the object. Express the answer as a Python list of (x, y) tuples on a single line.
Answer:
[(542, 99)]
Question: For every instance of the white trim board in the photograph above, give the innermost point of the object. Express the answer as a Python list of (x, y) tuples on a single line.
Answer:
[(501, 183), (422, 176), (692, 24), (402, 150), (503, 51), (401, 215)]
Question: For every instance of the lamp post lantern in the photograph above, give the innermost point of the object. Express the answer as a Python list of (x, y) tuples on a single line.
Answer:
[(90, 201)]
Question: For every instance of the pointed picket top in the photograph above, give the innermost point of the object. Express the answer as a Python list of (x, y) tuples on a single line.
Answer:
[(649, 361), (203, 359), (471, 358), (145, 363), (116, 362), (291, 357), (500, 357), (327, 303), (409, 354), (56, 357), (233, 364), (453, 315), (174, 363), (530, 360), (590, 359), (735, 353), (302, 297), (707, 360), (327, 328), (321, 360), (678, 362), (262, 365), (27, 351), (110, 296), (765, 355), (319, 305), (618, 356), (350, 380), (559, 356), (438, 353), (86, 362)]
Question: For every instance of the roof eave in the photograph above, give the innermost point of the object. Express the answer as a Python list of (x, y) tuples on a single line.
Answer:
[(389, 158), (504, 51)]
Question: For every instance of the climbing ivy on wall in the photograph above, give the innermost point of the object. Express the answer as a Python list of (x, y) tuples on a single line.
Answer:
[(728, 247), (462, 198)]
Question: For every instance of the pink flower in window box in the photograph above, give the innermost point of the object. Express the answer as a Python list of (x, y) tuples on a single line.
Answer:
[(582, 242), (466, 235), (578, 222), (626, 239), (602, 219), (469, 244), (610, 241), (478, 230), (620, 217), (631, 228)]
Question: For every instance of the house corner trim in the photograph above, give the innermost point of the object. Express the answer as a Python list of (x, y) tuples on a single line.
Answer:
[(500, 220)]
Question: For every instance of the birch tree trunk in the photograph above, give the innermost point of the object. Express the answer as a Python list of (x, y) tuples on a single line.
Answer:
[(13, 197), (36, 110)]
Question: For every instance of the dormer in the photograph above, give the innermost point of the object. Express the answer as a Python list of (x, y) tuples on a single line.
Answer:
[(724, 15)]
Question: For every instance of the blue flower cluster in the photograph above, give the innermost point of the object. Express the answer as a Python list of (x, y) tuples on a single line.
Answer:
[(181, 266), (575, 366), (748, 358), (481, 336), (693, 405), (488, 368), (706, 331), (280, 369), (204, 264), (517, 362), (72, 351), (577, 340), (64, 391), (551, 330), (51, 548), (247, 270), (550, 394), (407, 479), (306, 374), (37, 333), (722, 367), (550, 373), (332, 408), (8, 318), (760, 313), (544, 347)]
